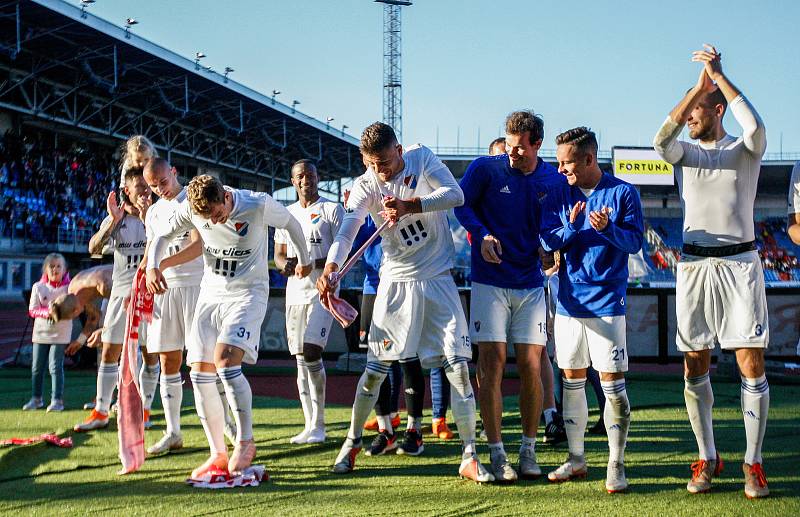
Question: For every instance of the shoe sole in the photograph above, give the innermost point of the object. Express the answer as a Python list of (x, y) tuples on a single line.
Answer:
[(756, 496), (403, 452), (498, 481), (388, 448), (617, 490), (581, 475), (466, 478), (77, 430), (530, 476)]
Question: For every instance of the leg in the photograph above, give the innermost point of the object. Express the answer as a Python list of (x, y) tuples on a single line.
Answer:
[(530, 395), (148, 381), (415, 398), (548, 395), (491, 363), (755, 401), (594, 378), (617, 418), (576, 414), (228, 361), (172, 389), (699, 400), (57, 377), (38, 360), (107, 374), (210, 409), (440, 400), (317, 379), (304, 392)]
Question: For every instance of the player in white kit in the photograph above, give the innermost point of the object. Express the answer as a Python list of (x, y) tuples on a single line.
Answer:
[(173, 310), (308, 324), (123, 232), (417, 308), (720, 284), (232, 303), (793, 225)]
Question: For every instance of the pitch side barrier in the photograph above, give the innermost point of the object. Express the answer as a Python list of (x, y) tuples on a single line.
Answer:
[(651, 324)]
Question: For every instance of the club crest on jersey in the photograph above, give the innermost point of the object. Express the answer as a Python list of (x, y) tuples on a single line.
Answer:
[(477, 325), (387, 345), (241, 228), (315, 218), (410, 181)]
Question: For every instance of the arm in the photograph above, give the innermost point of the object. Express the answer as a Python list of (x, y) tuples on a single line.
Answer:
[(448, 193), (156, 248), (35, 307), (92, 322), (187, 254), (555, 233), (473, 185), (628, 235), (115, 215)]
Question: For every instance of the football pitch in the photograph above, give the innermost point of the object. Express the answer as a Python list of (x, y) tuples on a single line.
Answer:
[(45, 480)]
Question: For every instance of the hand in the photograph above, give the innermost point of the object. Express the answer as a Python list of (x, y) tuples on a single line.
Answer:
[(303, 271), (113, 208), (576, 211), (491, 249), (95, 340), (394, 208), (142, 204), (289, 268), (324, 285), (599, 218), (156, 284), (704, 82), (711, 59), (547, 259), (73, 347)]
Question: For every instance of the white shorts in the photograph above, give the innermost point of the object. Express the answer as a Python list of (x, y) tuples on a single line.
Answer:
[(115, 321), (721, 299), (173, 313), (599, 342), (419, 318), (309, 323), (236, 323), (508, 315)]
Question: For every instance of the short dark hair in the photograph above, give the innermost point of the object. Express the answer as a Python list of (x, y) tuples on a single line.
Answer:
[(132, 173), (711, 99), (581, 137), (497, 141), (518, 122), (303, 162), (377, 137)]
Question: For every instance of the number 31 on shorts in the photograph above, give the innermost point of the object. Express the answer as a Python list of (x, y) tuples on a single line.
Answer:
[(243, 333)]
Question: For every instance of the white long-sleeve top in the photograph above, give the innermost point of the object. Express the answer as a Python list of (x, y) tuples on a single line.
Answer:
[(235, 253), (420, 246), (717, 181), (44, 331)]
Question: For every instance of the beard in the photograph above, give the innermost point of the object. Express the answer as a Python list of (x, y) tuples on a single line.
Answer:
[(702, 133)]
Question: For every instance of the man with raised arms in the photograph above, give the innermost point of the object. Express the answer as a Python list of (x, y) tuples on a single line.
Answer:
[(232, 303), (308, 324), (123, 232), (417, 308), (719, 291)]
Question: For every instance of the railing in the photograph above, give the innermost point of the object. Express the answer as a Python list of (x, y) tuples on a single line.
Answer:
[(74, 240), (603, 155)]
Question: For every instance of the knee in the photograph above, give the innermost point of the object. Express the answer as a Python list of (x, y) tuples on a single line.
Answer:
[(490, 369), (374, 375), (312, 353)]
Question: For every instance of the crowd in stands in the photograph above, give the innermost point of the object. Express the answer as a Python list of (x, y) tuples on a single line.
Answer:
[(43, 188), (775, 250)]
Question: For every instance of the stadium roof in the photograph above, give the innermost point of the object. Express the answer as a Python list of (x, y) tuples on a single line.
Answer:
[(59, 63)]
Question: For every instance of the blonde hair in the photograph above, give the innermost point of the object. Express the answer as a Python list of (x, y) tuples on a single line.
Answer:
[(204, 191), (50, 258), (136, 151)]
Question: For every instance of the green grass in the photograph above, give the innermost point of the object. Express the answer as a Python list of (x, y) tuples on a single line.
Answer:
[(45, 480)]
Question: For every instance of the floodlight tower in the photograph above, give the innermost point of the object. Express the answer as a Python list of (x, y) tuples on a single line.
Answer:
[(392, 76)]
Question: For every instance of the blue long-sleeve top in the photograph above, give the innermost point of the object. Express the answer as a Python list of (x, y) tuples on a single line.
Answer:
[(594, 264), (503, 202), (371, 258)]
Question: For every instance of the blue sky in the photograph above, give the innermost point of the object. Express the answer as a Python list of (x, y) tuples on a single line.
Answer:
[(618, 67)]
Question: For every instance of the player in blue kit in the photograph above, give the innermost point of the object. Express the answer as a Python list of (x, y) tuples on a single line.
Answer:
[(596, 222), (508, 303)]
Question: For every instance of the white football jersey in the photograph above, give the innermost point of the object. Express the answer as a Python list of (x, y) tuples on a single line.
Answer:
[(419, 246), (127, 241), (189, 273), (320, 221), (235, 253)]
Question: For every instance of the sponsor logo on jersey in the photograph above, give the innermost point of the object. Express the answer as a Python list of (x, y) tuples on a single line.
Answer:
[(230, 252), (315, 218), (387, 345), (241, 228), (411, 181), (477, 325), (207, 226), (505, 190)]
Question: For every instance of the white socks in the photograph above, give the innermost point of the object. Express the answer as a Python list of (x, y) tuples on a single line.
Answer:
[(462, 400), (148, 380), (303, 390), (699, 401), (385, 423), (229, 421), (107, 374), (576, 413), (617, 417), (548, 413), (369, 385), (210, 409), (316, 381), (240, 398), (528, 443), (755, 406), (496, 449), (171, 399), (414, 423)]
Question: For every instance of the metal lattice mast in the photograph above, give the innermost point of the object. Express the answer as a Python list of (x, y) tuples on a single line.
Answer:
[(392, 69)]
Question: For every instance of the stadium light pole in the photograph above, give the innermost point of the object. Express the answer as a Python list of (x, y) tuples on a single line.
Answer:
[(392, 71), (275, 93), (227, 71), (130, 22), (294, 104), (344, 126), (328, 122), (84, 5), (197, 57)]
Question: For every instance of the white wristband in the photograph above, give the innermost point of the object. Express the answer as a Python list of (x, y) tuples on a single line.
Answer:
[(82, 339)]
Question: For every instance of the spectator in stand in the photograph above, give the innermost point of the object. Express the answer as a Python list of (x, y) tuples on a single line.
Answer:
[(49, 338)]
